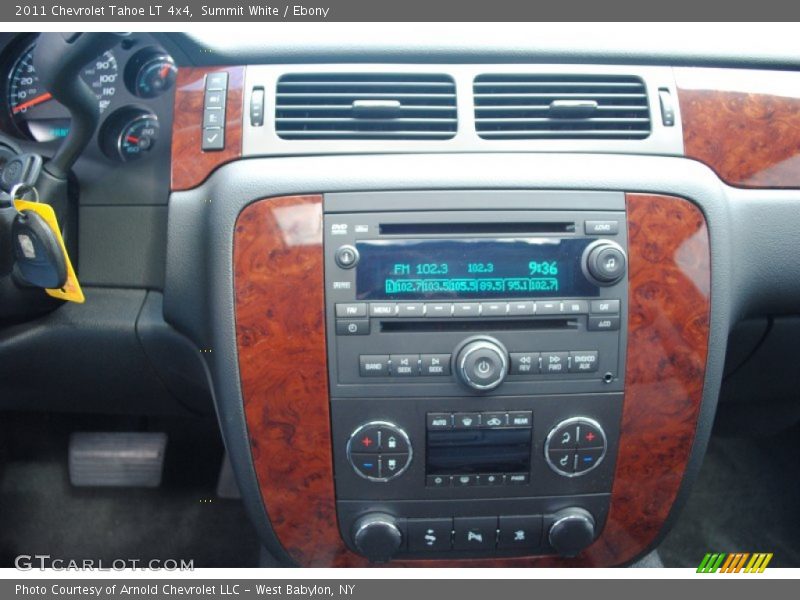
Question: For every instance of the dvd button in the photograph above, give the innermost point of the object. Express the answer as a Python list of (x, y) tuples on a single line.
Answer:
[(583, 362)]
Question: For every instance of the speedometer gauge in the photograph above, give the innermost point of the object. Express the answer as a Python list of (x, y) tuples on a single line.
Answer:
[(33, 110)]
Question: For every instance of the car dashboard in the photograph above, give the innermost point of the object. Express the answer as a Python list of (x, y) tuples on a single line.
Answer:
[(451, 305)]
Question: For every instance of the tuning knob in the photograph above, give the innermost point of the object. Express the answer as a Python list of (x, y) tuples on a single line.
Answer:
[(481, 363), (572, 531), (604, 262), (377, 536)]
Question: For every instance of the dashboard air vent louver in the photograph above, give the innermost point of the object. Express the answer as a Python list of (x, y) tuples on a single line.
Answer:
[(559, 106), (365, 106)]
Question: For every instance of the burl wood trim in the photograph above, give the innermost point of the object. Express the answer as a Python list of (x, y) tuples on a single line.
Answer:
[(278, 279), (743, 124), (190, 165)]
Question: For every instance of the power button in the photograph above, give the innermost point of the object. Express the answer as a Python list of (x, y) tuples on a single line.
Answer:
[(346, 257), (482, 363)]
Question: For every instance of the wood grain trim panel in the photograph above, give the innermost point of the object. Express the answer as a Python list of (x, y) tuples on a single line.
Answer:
[(278, 279), (190, 165), (744, 124)]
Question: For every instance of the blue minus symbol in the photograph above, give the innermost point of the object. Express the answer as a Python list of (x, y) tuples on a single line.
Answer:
[(587, 459), (368, 465)]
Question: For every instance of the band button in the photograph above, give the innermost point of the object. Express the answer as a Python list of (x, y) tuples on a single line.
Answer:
[(373, 365)]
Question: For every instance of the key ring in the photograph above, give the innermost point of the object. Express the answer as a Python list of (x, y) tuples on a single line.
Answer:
[(25, 187)]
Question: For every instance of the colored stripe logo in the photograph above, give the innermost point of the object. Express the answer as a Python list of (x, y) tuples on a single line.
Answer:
[(738, 562)]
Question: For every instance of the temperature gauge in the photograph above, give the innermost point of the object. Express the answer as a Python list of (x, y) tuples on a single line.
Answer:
[(155, 76), (130, 135)]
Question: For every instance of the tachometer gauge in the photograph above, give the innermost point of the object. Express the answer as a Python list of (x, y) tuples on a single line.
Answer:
[(33, 110)]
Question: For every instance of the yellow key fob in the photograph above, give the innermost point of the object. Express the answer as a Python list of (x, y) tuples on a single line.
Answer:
[(71, 290)]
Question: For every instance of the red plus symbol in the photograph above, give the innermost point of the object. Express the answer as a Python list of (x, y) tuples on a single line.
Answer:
[(590, 436), (366, 442)]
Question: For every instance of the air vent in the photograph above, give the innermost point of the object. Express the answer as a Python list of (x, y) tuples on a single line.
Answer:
[(364, 106), (539, 106)]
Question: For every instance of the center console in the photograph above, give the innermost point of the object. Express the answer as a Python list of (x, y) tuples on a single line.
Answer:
[(476, 363)]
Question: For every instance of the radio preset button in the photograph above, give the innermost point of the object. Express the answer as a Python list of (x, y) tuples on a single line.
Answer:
[(352, 327), (603, 324), (583, 362), (494, 309), (351, 310), (438, 310), (610, 307), (575, 307), (346, 257), (410, 309), (434, 364), (466, 420), (554, 363), (524, 363), (466, 309), (382, 309), (548, 307), (439, 421), (404, 365), (520, 308)]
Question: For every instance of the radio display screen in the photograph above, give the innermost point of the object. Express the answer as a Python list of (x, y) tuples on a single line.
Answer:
[(471, 269)]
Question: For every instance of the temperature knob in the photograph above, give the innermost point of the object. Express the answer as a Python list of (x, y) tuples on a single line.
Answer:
[(604, 262), (572, 531), (481, 363), (377, 536)]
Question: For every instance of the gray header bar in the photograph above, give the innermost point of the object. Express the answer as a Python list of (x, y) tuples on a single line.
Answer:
[(196, 11)]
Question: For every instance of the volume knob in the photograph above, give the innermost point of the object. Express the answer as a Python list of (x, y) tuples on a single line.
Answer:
[(482, 363), (377, 536)]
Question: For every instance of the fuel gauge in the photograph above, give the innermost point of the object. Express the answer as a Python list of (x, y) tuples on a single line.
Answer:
[(130, 135)]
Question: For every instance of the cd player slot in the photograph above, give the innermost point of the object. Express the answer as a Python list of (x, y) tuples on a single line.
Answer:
[(430, 325), (476, 228)]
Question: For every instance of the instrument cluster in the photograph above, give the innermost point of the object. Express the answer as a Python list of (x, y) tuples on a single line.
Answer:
[(131, 81)]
